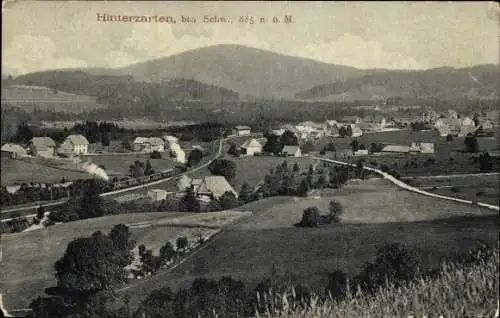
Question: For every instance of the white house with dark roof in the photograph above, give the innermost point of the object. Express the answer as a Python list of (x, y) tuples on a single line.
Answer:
[(241, 130), (251, 147), (13, 151), (139, 143), (74, 145), (291, 151), (154, 144), (43, 146)]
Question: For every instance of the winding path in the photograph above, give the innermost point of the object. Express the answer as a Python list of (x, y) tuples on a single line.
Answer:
[(405, 186)]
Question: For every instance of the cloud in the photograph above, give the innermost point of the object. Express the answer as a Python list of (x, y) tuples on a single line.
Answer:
[(352, 50), (27, 53)]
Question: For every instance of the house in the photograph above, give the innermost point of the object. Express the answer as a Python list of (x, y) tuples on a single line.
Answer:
[(396, 149), (291, 151), (280, 131), (74, 145), (422, 147), (139, 143), (157, 194), (312, 129), (356, 131), (43, 146), (368, 128), (149, 144), (154, 144), (447, 126), (13, 151), (485, 123), (351, 120), (206, 187), (241, 131), (251, 147)]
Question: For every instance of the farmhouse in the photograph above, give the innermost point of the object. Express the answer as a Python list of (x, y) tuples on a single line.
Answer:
[(206, 187), (154, 144), (43, 146), (13, 151), (447, 126), (241, 131), (312, 129), (139, 143), (291, 151), (149, 144), (74, 145), (251, 147), (280, 131)]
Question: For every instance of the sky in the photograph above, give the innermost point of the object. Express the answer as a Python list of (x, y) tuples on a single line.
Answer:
[(43, 35)]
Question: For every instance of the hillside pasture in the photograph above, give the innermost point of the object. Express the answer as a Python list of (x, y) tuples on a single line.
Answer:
[(30, 97), (17, 172), (307, 256), (28, 257), (368, 201)]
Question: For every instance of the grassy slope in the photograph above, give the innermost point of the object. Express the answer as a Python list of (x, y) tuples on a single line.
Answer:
[(308, 255), (16, 171), (28, 257), (253, 169)]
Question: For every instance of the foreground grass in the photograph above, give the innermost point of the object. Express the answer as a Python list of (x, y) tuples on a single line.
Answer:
[(457, 292)]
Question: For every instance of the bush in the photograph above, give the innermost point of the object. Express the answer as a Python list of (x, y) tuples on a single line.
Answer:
[(455, 189), (310, 217), (394, 264), (336, 210)]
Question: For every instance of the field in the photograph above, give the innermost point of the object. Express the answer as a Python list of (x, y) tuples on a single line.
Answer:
[(17, 172), (374, 215), (119, 164), (484, 188), (28, 257), (31, 97), (253, 169)]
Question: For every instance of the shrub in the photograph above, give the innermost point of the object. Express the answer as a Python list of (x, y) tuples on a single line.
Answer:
[(310, 217), (336, 210), (455, 189)]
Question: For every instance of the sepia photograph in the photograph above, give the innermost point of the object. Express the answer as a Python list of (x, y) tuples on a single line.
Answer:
[(213, 159)]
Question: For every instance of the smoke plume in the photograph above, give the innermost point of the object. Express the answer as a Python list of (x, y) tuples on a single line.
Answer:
[(180, 155), (94, 169)]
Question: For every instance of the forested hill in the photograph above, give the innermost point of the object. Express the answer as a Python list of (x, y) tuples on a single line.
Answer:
[(116, 89)]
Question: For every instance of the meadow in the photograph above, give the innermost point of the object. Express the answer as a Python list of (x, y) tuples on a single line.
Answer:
[(31, 97), (252, 170), (28, 257), (17, 172), (268, 244), (119, 164)]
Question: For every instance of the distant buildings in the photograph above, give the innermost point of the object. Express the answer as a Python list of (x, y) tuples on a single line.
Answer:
[(396, 149), (291, 151), (43, 146), (241, 131), (13, 151), (74, 145), (356, 131), (414, 147)]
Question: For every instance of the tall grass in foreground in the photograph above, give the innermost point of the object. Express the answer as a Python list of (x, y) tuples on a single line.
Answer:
[(458, 291)]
